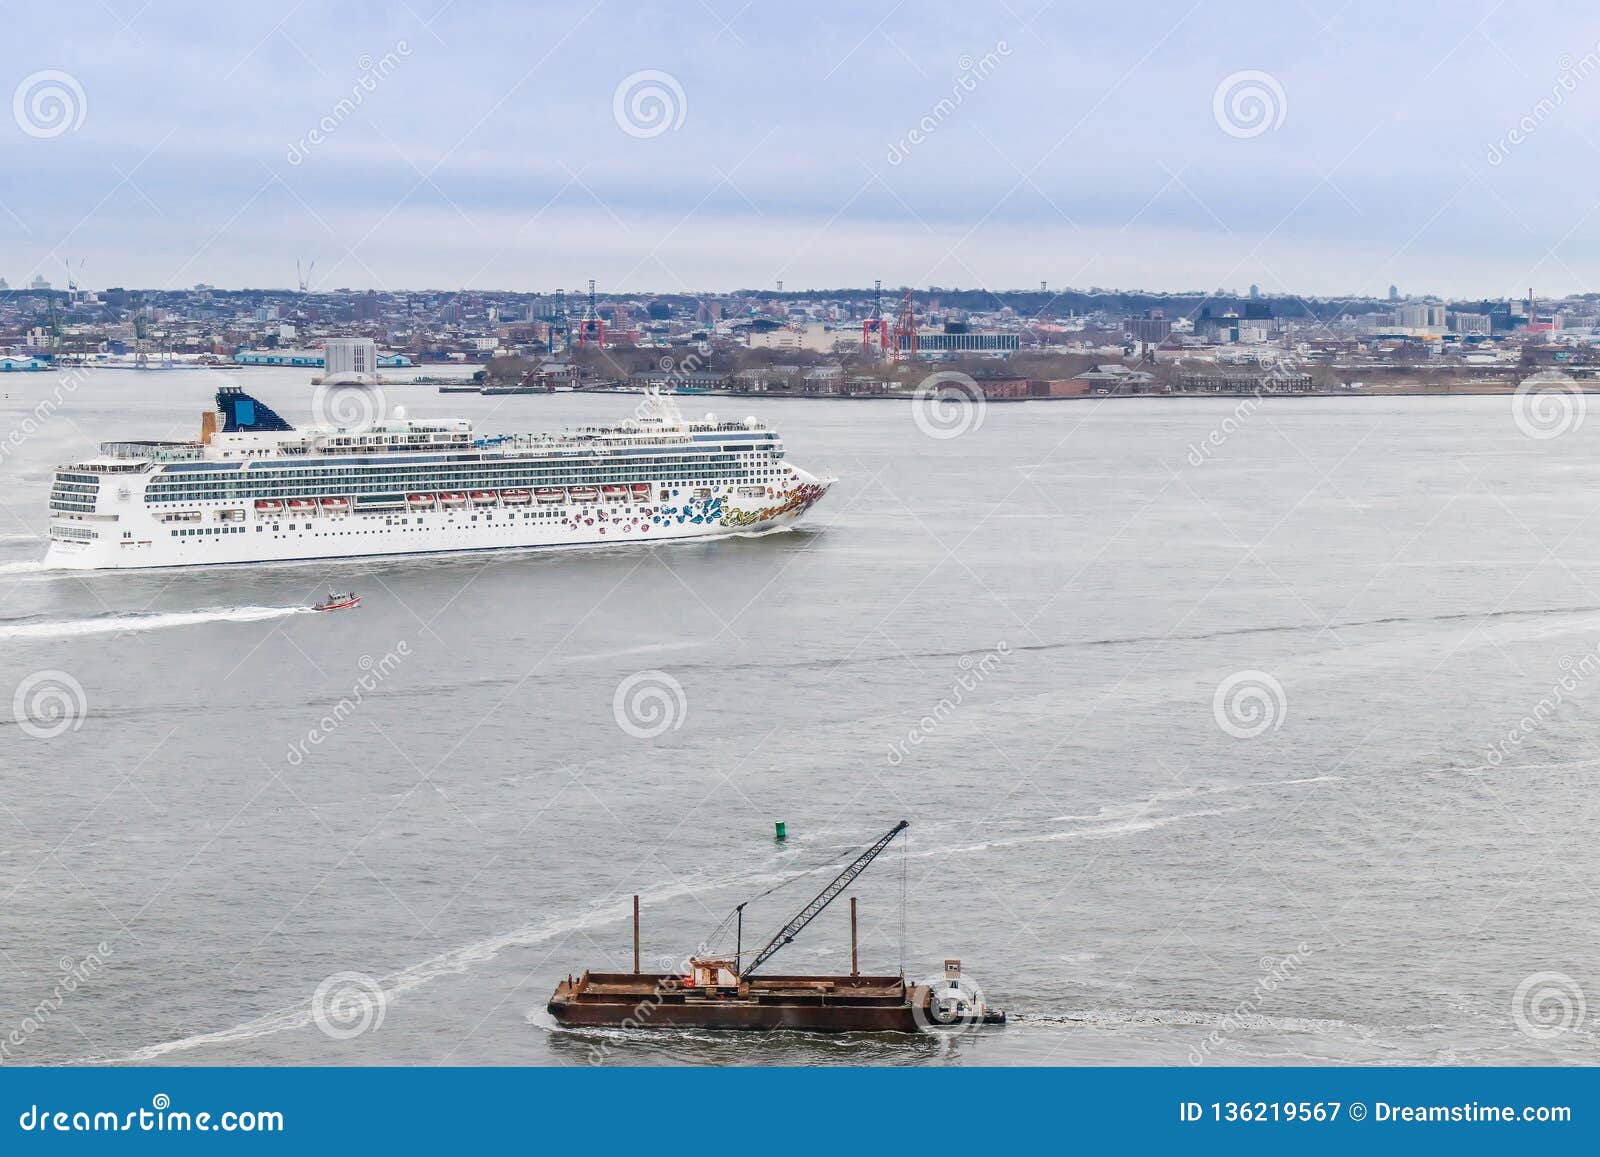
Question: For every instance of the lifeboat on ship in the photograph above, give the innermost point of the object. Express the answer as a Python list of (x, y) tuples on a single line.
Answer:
[(641, 490), (419, 501), (614, 491), (452, 498), (484, 498), (268, 506), (515, 497), (301, 505), (584, 494), (339, 505), (550, 494)]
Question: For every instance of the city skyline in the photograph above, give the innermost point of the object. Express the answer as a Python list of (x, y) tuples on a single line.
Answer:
[(1324, 153)]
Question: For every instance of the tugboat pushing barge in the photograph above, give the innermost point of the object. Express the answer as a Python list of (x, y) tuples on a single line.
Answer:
[(722, 992)]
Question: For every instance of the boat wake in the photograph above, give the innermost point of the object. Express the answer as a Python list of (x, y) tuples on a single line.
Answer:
[(631, 652), (1189, 1018), (461, 960), (118, 622), (455, 961), (24, 566), (1106, 831)]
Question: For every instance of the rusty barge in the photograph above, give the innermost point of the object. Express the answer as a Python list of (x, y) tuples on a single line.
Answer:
[(723, 992)]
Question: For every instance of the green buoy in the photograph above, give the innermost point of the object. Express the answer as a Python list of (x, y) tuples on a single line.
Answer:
[(780, 830)]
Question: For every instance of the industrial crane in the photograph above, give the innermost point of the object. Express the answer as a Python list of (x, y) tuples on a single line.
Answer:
[(876, 325), (822, 899)]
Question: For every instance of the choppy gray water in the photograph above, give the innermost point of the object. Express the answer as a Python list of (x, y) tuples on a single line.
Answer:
[(1361, 881)]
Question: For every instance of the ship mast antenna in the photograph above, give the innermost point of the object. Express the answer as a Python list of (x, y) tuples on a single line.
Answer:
[(905, 856), (825, 897)]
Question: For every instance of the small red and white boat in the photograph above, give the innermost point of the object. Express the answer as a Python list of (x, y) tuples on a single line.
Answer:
[(484, 498), (614, 491), (550, 494), (301, 505), (337, 602), (641, 490), (419, 501), (336, 504), (584, 494), (268, 505), (515, 497), (452, 498)]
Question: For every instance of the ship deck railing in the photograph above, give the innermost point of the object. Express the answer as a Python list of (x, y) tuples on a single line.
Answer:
[(153, 451)]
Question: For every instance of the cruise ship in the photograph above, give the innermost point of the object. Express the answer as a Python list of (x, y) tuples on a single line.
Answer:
[(254, 488)]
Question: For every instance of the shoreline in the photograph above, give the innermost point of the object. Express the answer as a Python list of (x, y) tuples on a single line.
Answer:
[(1498, 391)]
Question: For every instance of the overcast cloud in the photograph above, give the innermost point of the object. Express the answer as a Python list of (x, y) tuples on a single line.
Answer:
[(824, 145)]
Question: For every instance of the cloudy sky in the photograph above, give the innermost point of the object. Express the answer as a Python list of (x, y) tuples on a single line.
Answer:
[(1315, 147)]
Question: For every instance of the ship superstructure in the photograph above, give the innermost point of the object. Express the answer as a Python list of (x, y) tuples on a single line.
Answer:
[(255, 488)]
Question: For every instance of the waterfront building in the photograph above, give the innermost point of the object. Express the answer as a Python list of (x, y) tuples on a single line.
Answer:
[(929, 344), (279, 357), (1151, 329), (350, 360)]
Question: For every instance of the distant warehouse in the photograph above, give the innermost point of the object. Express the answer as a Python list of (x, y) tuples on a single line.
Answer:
[(942, 343), (1245, 383)]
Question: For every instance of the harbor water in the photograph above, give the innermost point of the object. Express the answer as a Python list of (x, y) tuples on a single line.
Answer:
[(1228, 735)]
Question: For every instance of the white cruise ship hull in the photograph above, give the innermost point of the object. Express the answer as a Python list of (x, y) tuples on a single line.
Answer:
[(138, 539)]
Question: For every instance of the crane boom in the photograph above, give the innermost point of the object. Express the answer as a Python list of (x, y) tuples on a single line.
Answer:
[(825, 897)]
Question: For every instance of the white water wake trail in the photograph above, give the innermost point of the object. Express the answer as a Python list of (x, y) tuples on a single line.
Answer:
[(457, 960), (119, 622), (460, 960), (24, 566)]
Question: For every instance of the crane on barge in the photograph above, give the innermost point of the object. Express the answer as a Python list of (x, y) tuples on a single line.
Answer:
[(818, 902), (717, 991)]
